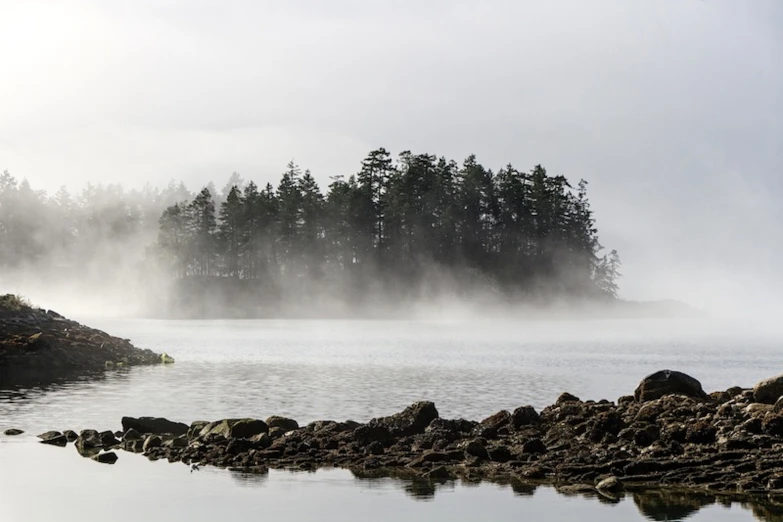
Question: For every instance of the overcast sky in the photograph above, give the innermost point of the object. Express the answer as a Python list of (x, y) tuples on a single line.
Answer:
[(671, 109)]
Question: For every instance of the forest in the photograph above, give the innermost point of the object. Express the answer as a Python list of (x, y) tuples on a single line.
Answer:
[(399, 228)]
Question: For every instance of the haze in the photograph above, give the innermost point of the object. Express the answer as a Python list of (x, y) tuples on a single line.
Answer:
[(671, 109)]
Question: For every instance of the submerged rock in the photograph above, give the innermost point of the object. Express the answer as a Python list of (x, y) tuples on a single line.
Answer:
[(11, 432), (668, 382)]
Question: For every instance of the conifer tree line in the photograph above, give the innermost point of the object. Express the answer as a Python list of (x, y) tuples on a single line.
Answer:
[(394, 225)]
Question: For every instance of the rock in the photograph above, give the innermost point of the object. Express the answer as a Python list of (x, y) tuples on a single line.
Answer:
[(768, 391), (276, 433), (177, 442), (166, 358), (525, 416), (778, 407), (108, 439), (152, 441), (476, 448), (70, 435), (366, 435), (195, 428), (497, 420), (534, 447), (374, 448), (668, 382), (262, 440), (131, 434), (154, 425), (275, 421), (13, 432), (234, 428), (54, 438), (566, 397), (610, 485), (88, 442), (413, 420), (105, 458)]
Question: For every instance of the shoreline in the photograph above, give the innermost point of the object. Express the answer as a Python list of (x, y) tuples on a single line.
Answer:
[(669, 434)]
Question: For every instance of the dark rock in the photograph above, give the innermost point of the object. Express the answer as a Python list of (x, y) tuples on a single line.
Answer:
[(70, 435), (131, 434), (107, 439), (55, 438), (768, 391), (525, 416), (13, 432), (412, 420), (105, 458), (154, 425), (476, 448), (374, 448), (500, 454), (367, 434), (668, 382), (533, 447), (647, 435), (566, 397), (285, 423), (152, 441)]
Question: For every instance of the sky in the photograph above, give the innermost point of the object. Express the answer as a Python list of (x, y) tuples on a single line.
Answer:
[(671, 109)]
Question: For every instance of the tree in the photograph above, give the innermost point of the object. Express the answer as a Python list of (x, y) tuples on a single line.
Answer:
[(230, 231)]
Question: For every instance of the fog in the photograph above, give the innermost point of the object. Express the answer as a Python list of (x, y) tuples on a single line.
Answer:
[(671, 110)]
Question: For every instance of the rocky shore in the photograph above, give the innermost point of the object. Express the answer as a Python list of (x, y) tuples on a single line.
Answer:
[(41, 346), (670, 433)]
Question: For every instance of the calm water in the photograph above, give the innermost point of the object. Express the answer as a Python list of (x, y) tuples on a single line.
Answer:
[(356, 370)]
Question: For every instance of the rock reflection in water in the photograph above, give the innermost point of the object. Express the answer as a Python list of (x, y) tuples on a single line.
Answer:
[(656, 505)]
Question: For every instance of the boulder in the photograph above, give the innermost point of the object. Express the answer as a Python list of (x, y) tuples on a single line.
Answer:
[(566, 397), (476, 448), (54, 438), (525, 416), (105, 458), (668, 382), (533, 447), (275, 421), (13, 431), (154, 425), (413, 420), (234, 428), (768, 391), (70, 435), (166, 358)]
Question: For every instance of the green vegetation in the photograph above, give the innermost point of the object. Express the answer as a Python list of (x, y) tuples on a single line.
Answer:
[(394, 226)]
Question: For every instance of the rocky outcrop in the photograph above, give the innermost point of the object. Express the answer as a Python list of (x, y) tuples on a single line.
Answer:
[(668, 382), (41, 346), (724, 442), (11, 432)]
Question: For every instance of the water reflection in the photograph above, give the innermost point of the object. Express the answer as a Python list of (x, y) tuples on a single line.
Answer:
[(656, 505)]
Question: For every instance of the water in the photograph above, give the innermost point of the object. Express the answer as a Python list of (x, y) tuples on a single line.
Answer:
[(312, 370)]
